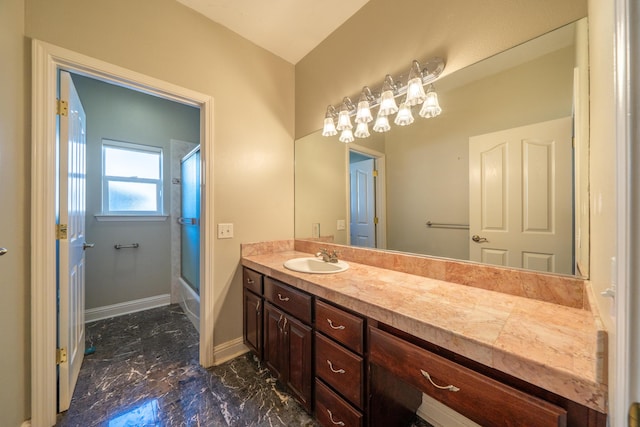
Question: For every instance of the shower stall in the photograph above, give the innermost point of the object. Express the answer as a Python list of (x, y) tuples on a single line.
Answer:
[(189, 221)]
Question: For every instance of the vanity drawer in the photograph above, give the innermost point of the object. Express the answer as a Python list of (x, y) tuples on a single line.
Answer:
[(332, 410), (340, 368), (292, 301), (480, 398), (343, 327), (252, 280)]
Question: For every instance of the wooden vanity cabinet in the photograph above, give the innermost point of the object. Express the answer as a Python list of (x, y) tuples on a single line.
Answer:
[(478, 397), (253, 308), (358, 372), (340, 366), (288, 339)]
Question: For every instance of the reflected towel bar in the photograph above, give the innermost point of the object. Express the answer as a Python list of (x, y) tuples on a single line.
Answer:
[(130, 245), (444, 225)]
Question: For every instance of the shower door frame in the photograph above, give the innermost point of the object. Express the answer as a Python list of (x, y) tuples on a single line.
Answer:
[(47, 59)]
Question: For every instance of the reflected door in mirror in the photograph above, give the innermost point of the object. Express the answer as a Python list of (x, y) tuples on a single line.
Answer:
[(520, 198)]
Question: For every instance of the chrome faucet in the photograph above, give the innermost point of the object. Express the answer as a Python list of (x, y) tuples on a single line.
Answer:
[(328, 257)]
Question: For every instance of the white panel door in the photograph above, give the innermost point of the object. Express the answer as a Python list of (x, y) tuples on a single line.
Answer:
[(520, 197), (71, 264), (363, 204)]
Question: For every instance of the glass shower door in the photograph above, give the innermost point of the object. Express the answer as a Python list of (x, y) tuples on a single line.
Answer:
[(190, 219)]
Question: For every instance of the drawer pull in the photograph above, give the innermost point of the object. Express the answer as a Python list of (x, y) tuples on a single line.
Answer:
[(335, 371), (338, 423), (250, 281), (334, 327), (447, 387), (281, 298), (258, 307)]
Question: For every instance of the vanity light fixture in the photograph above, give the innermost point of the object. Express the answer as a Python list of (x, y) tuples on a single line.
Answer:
[(385, 100), (329, 128), (344, 119), (404, 116), (346, 136), (381, 124), (430, 107), (362, 130), (363, 114), (388, 104), (415, 88)]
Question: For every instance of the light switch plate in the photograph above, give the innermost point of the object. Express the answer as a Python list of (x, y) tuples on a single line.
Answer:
[(225, 231), (341, 225)]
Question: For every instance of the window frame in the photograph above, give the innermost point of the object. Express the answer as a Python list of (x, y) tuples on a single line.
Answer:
[(106, 179)]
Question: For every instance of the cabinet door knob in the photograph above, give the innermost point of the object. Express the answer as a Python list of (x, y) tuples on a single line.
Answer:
[(446, 387), (335, 371), (334, 327), (338, 423)]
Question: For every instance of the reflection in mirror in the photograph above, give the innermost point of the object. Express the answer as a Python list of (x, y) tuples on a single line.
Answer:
[(498, 163)]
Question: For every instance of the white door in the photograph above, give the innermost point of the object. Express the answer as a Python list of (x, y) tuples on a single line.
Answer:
[(363, 204), (520, 197), (71, 264)]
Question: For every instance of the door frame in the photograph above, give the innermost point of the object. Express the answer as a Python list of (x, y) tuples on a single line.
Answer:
[(381, 192), (46, 60)]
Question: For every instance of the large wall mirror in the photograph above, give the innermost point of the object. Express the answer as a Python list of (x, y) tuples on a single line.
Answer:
[(500, 177)]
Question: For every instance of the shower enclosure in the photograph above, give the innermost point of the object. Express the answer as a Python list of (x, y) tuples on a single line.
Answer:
[(190, 233)]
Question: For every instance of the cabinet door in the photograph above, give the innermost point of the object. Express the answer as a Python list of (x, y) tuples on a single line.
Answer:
[(298, 350), (274, 356), (253, 308)]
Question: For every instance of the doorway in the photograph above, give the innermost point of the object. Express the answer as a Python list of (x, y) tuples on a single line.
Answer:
[(47, 60), (367, 196)]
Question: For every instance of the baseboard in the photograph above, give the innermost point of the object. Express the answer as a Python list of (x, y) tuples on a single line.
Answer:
[(99, 313), (440, 415), (228, 350)]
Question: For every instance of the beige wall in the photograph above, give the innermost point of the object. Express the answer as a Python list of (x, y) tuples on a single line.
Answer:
[(603, 167), (14, 219), (253, 106), (384, 36), (253, 141)]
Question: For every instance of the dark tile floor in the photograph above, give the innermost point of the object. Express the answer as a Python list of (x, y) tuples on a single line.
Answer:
[(145, 372)]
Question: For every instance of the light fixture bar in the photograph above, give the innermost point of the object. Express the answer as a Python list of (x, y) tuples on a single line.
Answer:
[(431, 71)]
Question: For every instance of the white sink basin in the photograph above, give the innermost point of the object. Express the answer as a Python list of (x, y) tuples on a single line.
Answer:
[(315, 265)]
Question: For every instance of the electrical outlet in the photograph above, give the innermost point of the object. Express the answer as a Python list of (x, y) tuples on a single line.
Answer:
[(341, 225), (315, 230), (225, 231)]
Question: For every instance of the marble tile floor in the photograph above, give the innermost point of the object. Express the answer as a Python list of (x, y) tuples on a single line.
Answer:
[(145, 372)]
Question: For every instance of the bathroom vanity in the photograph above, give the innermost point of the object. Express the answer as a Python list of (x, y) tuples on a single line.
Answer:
[(359, 348)]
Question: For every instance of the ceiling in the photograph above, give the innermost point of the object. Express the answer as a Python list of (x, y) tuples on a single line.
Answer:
[(287, 28)]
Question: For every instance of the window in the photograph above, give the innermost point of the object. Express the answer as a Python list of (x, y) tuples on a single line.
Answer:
[(131, 179)]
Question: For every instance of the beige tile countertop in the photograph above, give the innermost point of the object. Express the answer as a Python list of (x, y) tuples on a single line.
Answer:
[(558, 348)]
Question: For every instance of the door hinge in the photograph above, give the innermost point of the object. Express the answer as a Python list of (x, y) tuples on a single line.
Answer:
[(62, 107), (375, 220), (61, 355), (61, 231), (375, 173)]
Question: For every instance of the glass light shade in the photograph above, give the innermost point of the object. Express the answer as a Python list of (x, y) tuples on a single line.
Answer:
[(415, 92), (382, 124), (430, 107), (388, 104), (404, 116), (364, 113), (329, 128), (346, 136), (344, 121), (362, 130)]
